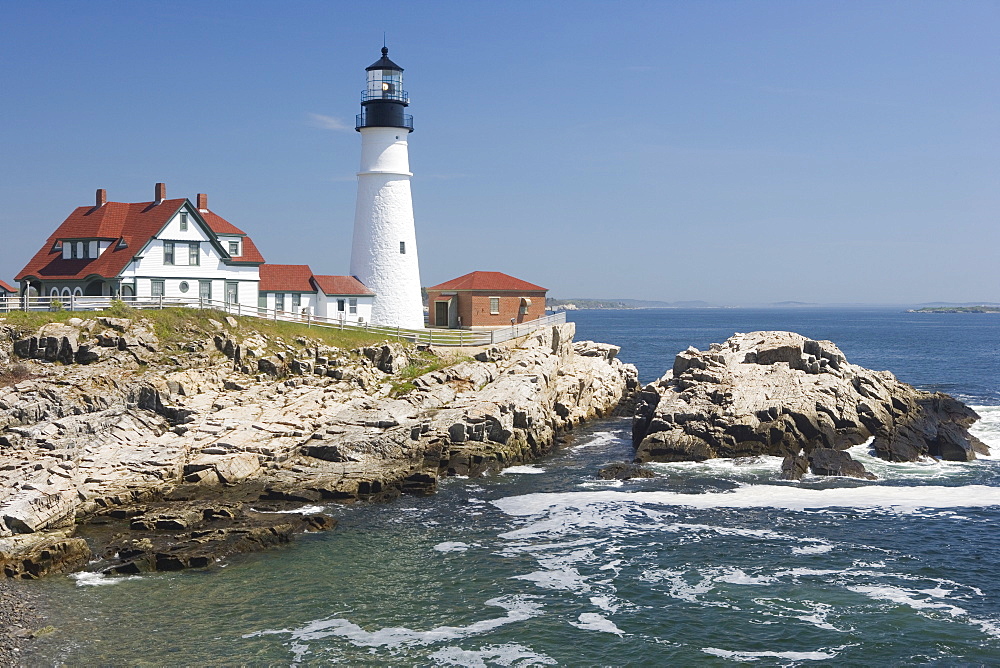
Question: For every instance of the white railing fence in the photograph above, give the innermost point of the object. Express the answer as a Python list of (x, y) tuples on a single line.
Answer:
[(437, 337)]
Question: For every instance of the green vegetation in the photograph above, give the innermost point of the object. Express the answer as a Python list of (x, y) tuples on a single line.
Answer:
[(420, 364), (173, 325), (958, 309)]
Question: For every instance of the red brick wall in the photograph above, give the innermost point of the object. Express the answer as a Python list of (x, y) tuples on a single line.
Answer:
[(474, 307)]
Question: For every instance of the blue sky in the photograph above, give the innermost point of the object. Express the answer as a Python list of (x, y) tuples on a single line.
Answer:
[(734, 152)]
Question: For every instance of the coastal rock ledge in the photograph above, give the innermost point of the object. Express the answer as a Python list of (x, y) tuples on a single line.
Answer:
[(782, 394), (121, 439)]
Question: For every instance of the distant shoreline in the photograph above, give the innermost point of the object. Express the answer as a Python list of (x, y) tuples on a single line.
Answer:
[(956, 309)]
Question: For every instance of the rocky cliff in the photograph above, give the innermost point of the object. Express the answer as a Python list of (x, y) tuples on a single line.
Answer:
[(103, 423), (779, 393)]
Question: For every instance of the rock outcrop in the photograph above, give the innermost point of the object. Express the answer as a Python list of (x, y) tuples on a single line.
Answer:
[(779, 393), (250, 417)]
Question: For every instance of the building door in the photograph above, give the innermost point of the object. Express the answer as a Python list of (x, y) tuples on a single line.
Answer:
[(205, 290), (441, 314), (232, 293)]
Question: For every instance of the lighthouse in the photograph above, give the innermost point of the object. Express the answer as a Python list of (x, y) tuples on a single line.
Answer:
[(384, 249)]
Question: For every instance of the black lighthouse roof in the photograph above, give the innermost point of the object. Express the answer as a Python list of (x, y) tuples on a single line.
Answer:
[(384, 63)]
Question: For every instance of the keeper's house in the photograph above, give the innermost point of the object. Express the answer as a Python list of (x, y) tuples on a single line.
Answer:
[(484, 299), (166, 247), (7, 291)]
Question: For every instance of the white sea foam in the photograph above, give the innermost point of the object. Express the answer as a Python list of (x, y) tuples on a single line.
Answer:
[(754, 656), (869, 497), (595, 439), (724, 467), (818, 548), (519, 609), (591, 621), (531, 470), (86, 579), (304, 510), (988, 428), (509, 654), (451, 546)]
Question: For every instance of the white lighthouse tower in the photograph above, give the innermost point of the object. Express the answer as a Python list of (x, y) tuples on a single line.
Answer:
[(384, 251)]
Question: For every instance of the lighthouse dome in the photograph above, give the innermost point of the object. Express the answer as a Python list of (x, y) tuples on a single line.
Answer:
[(384, 63)]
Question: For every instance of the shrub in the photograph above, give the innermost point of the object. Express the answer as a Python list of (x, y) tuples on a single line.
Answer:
[(120, 309), (14, 374), (55, 305)]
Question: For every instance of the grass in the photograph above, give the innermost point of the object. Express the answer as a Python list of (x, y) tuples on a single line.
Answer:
[(173, 325), (419, 365)]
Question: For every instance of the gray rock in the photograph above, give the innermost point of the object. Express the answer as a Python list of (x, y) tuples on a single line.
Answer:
[(779, 393)]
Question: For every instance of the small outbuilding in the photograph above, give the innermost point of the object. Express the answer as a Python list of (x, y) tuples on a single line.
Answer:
[(484, 300)]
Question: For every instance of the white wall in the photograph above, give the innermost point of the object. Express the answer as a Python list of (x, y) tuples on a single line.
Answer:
[(210, 267), (327, 308), (383, 218), (308, 302)]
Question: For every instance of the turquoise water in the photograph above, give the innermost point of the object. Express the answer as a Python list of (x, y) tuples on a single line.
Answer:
[(711, 563)]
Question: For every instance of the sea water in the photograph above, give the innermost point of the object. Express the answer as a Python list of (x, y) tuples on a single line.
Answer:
[(709, 563)]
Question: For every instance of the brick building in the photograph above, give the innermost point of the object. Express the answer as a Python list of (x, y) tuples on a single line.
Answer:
[(484, 299)]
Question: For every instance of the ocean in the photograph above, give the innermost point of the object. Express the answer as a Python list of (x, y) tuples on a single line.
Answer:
[(712, 563)]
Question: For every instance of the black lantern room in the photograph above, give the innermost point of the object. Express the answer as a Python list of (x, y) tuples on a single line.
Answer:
[(383, 100)]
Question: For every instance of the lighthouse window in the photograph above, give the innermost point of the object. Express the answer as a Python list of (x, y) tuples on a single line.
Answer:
[(402, 248)]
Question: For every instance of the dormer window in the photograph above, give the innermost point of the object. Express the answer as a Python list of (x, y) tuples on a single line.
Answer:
[(234, 248), (184, 221)]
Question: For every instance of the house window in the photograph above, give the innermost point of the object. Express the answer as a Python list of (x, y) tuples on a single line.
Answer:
[(234, 248), (402, 248), (279, 301), (296, 302), (494, 306), (168, 252), (184, 287), (156, 288), (80, 250), (341, 305), (525, 304), (353, 303), (205, 290), (184, 222), (72, 251), (194, 253)]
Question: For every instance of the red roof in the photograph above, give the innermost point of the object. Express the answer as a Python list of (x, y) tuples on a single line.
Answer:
[(220, 225), (488, 280), (134, 223), (341, 285), (6, 287), (286, 278)]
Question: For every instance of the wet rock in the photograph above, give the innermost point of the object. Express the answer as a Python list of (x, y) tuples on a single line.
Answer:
[(624, 472), (825, 461)]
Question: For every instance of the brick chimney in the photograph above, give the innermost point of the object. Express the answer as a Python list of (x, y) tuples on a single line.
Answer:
[(102, 197), (161, 193), (202, 202)]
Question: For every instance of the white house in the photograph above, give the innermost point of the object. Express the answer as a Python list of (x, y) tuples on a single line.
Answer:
[(293, 288), (168, 248)]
